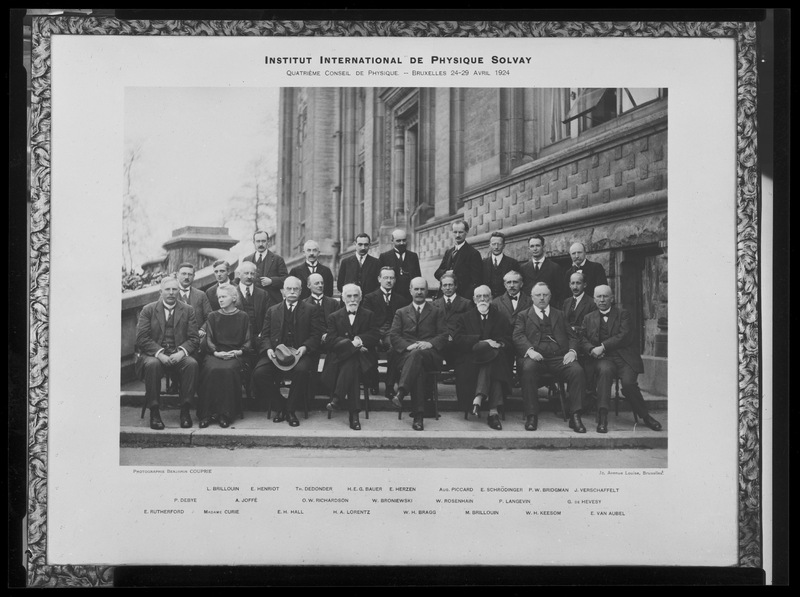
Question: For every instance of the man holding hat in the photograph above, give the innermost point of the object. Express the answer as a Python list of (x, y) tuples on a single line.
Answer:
[(482, 339), (352, 337), (289, 342)]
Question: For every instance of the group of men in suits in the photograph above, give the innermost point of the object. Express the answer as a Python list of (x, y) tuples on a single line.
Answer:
[(493, 315)]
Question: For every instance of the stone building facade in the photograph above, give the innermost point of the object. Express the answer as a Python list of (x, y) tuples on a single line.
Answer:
[(572, 164)]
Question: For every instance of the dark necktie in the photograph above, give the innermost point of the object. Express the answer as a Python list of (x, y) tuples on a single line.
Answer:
[(484, 318), (169, 313), (545, 318), (247, 295), (259, 260), (574, 303), (536, 266), (388, 297), (185, 296), (447, 304)]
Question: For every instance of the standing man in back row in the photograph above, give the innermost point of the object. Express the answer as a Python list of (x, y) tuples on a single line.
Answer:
[(593, 273), (270, 268), (463, 260), (404, 262), (360, 269), (312, 266), (541, 269)]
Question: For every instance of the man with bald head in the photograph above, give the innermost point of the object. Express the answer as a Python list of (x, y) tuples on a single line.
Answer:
[(593, 273), (288, 347), (546, 344), (311, 265), (611, 345), (166, 339), (405, 263), (417, 336)]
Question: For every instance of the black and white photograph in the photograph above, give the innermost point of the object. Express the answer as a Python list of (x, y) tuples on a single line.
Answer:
[(480, 193), (394, 294)]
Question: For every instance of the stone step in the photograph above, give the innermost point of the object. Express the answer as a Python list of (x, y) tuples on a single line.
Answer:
[(383, 430), (134, 396)]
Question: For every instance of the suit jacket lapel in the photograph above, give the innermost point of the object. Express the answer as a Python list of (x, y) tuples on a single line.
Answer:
[(161, 319)]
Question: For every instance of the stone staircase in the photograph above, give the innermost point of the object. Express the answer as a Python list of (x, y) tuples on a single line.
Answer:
[(383, 429)]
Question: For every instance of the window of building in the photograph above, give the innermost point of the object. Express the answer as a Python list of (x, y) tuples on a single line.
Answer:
[(593, 106)]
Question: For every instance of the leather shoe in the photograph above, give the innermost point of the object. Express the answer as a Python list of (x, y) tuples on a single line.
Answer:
[(494, 422), (602, 421), (205, 423), (333, 404), (186, 418), (355, 424), (417, 425), (576, 424), (279, 418), (293, 421), (651, 423), (155, 419), (397, 399), (224, 422), (531, 422)]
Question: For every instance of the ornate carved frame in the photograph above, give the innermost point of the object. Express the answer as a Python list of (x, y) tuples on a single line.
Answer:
[(747, 249)]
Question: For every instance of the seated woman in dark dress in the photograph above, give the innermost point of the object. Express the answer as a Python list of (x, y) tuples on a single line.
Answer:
[(227, 347)]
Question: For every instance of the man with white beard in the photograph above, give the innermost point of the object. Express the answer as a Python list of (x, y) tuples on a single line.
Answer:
[(483, 370)]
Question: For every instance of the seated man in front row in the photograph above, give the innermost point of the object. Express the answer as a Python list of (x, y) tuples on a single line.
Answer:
[(418, 335), (482, 338), (289, 342), (166, 338), (352, 337), (609, 341), (547, 344)]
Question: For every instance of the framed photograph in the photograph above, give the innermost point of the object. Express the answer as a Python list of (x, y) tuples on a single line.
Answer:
[(162, 149)]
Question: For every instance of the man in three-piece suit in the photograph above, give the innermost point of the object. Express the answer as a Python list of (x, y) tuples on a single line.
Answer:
[(312, 266), (497, 264), (593, 273), (352, 336), (609, 342), (418, 335), (223, 278), (405, 263), (361, 268), (328, 304), (288, 345), (463, 260), (540, 269), (580, 304), (270, 268), (166, 338), (482, 338), (548, 345), (383, 303), (252, 300), (193, 297), (453, 306)]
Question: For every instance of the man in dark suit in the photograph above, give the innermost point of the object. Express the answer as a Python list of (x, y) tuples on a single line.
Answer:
[(540, 269), (352, 336), (383, 303), (609, 341), (463, 260), (514, 301), (288, 344), (312, 266), (270, 268), (482, 337), (223, 277), (404, 263), (577, 307), (497, 264), (453, 306), (328, 304), (548, 345), (252, 300), (193, 297), (593, 273), (418, 335), (361, 268), (166, 338)]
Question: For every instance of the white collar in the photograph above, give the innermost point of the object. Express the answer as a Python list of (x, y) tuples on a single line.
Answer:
[(317, 298), (539, 311), (243, 287), (579, 298), (605, 314), (458, 246)]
